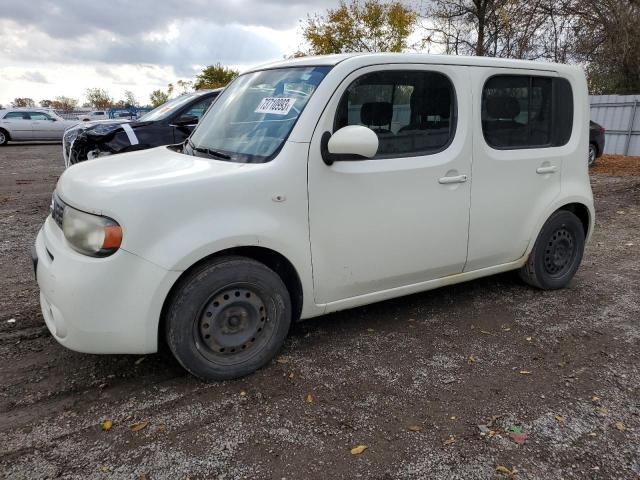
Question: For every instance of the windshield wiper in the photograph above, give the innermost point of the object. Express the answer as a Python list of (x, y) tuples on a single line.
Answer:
[(208, 151)]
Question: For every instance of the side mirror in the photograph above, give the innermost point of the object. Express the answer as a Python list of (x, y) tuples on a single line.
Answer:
[(53, 119), (184, 120), (353, 142)]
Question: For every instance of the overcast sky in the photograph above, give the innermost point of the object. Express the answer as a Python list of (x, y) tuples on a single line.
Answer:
[(62, 47)]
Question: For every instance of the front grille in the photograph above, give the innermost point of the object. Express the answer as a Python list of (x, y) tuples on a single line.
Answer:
[(57, 209)]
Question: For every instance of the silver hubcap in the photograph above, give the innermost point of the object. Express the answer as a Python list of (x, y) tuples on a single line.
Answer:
[(2, 137), (592, 155)]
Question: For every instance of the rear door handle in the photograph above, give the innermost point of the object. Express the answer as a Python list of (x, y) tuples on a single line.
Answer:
[(454, 179), (550, 169)]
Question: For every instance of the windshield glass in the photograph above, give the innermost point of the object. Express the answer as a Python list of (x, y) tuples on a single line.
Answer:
[(255, 114), (166, 109)]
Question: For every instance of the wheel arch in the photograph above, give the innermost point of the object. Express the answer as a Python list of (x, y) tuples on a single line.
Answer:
[(581, 211), (271, 258)]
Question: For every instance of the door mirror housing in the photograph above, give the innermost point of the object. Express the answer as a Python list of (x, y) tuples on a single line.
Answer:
[(184, 120), (353, 142)]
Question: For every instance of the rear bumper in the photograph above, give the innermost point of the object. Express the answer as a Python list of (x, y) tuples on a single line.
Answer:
[(99, 305)]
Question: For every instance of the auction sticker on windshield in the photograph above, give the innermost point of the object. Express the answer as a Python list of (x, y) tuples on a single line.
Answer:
[(276, 105)]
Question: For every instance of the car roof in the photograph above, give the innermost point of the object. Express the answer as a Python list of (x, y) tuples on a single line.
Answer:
[(425, 58)]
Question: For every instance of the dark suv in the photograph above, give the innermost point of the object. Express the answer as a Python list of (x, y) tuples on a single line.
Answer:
[(169, 123), (596, 141)]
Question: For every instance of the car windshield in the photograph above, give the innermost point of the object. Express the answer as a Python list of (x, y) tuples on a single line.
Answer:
[(254, 115), (166, 109)]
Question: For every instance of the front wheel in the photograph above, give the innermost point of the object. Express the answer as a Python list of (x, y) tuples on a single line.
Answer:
[(593, 154), (4, 137), (228, 318), (557, 252)]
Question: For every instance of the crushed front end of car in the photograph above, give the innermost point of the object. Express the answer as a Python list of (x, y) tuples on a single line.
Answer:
[(97, 139)]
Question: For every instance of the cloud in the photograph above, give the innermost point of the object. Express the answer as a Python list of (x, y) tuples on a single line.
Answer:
[(33, 76)]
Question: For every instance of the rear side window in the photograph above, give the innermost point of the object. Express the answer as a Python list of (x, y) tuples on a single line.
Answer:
[(521, 111), (411, 112)]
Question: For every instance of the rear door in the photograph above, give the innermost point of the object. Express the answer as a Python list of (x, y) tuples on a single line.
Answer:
[(18, 124), (402, 217), (522, 120)]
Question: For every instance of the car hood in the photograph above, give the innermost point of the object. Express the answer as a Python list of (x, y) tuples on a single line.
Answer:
[(120, 182)]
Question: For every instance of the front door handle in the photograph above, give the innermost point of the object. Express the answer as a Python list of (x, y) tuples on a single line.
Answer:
[(549, 169), (454, 179)]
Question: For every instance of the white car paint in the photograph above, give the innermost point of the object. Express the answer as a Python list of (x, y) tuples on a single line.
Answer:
[(94, 115), (30, 124), (355, 232)]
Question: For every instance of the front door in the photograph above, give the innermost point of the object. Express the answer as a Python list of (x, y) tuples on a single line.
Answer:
[(402, 217), (45, 127)]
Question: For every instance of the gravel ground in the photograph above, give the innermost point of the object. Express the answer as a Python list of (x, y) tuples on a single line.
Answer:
[(487, 379)]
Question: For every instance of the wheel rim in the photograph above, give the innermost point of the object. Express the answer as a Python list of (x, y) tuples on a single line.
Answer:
[(592, 154), (560, 252), (232, 325), (2, 138)]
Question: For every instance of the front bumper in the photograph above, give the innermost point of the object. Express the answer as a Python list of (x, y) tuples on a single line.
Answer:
[(99, 305)]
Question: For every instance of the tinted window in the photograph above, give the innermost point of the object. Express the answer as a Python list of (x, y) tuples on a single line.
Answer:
[(526, 112), (412, 112), (199, 108), (17, 116), (39, 116)]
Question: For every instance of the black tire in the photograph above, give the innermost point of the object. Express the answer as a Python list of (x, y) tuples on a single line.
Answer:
[(593, 153), (4, 137), (228, 318), (557, 253)]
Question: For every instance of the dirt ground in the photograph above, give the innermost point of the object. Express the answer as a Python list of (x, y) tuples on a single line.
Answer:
[(487, 379)]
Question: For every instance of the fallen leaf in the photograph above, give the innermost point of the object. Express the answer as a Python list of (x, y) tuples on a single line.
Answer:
[(414, 428), (136, 427), (358, 450), (528, 339), (453, 417), (519, 438), (243, 393), (282, 360), (593, 434), (560, 419), (472, 359), (104, 469), (595, 398), (291, 375), (620, 426), (602, 411), (11, 320), (106, 425), (450, 440), (503, 469), (485, 332), (309, 398), (139, 361), (525, 372)]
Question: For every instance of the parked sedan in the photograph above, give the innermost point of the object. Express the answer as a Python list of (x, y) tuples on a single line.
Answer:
[(596, 141), (170, 123), (27, 124)]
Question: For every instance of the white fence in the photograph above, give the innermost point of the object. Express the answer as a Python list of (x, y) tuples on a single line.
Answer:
[(620, 116)]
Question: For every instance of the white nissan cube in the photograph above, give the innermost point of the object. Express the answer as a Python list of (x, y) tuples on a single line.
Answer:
[(314, 185)]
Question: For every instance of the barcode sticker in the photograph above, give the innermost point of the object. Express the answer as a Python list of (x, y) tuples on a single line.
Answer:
[(276, 105)]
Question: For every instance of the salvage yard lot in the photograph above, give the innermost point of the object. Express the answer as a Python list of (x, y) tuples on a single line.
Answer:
[(462, 382)]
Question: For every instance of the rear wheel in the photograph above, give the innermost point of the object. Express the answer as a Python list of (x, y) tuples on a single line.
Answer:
[(557, 252), (228, 318), (593, 153), (4, 137)]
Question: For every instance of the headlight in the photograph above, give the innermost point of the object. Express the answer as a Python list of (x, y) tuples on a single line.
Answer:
[(91, 234)]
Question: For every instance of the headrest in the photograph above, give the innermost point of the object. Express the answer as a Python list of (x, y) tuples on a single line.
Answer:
[(376, 113), (503, 107)]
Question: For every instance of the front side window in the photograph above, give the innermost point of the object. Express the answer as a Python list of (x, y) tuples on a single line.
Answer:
[(253, 116), (522, 111), (411, 112), (199, 108), (39, 116)]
